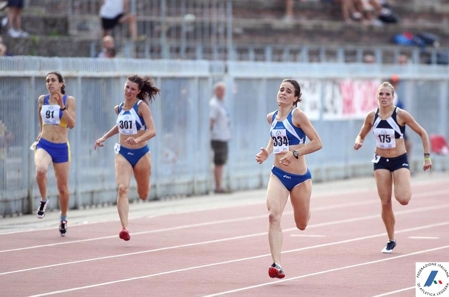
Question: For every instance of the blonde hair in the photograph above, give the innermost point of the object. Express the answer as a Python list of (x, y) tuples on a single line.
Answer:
[(386, 84)]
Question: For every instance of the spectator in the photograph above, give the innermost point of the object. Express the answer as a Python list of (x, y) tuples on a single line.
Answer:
[(349, 11), (108, 47), (369, 59), (370, 9), (14, 17), (403, 59), (114, 12), (386, 14), (220, 127), (3, 48), (288, 17)]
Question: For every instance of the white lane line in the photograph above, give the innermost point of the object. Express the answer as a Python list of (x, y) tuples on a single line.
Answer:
[(324, 195), (307, 235), (394, 292), (231, 221), (221, 240), (424, 209), (244, 259), (325, 271), (423, 237), (188, 226)]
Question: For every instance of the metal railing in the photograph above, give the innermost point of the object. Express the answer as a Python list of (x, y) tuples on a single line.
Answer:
[(336, 97)]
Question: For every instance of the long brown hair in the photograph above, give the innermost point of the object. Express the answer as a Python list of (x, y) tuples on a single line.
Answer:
[(148, 90)]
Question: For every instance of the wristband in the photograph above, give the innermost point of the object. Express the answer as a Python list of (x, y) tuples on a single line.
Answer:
[(65, 107), (427, 159), (426, 155)]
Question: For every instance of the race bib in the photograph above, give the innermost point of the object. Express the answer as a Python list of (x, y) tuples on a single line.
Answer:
[(126, 124), (50, 114), (280, 141), (384, 138)]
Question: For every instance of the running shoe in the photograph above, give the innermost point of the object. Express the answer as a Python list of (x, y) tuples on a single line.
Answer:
[(276, 271), (124, 234), (63, 228), (389, 247), (41, 210)]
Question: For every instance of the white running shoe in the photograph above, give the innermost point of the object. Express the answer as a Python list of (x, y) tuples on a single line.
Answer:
[(13, 33)]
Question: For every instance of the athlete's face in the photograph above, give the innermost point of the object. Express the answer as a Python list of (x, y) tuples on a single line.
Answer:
[(286, 94), (131, 90), (53, 84), (385, 96)]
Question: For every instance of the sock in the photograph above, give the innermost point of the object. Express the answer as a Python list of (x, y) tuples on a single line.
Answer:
[(44, 200), (63, 218)]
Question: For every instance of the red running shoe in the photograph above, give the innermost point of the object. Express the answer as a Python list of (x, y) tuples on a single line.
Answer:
[(124, 234), (276, 271)]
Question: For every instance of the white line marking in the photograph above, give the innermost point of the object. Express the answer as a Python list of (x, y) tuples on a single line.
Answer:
[(325, 271), (423, 237), (230, 221), (187, 226), (306, 235), (394, 292), (323, 195), (212, 264), (238, 260)]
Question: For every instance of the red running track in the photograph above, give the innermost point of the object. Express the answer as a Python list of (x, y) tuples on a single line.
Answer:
[(224, 251)]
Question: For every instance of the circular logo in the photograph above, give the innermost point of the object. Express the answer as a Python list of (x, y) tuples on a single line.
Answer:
[(432, 279)]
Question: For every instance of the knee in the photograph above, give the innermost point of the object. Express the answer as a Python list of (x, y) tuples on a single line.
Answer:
[(122, 189), (41, 172), (386, 204), (274, 219), (404, 199), (63, 190), (301, 225), (143, 195)]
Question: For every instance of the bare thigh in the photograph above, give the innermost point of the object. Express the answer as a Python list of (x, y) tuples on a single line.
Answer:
[(142, 173), (384, 182), (62, 174), (300, 200), (123, 171), (277, 196), (402, 185)]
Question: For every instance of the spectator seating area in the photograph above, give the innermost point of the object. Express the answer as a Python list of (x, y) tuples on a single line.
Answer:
[(232, 29)]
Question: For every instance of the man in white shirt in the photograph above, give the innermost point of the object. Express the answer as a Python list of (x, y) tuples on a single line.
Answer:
[(114, 12), (220, 127)]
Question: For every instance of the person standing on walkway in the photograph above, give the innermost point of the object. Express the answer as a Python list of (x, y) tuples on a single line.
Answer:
[(290, 176), (57, 113), (135, 127), (220, 127), (114, 12), (391, 166), (14, 19)]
